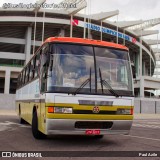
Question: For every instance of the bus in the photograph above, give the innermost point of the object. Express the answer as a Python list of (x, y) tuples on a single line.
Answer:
[(77, 86)]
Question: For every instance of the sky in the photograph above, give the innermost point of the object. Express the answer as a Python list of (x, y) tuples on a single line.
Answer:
[(129, 9)]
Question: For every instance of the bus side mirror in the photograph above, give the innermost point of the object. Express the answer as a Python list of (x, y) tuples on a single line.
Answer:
[(45, 76), (51, 66), (51, 62), (134, 72)]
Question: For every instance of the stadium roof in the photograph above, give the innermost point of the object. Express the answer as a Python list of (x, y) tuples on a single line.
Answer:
[(137, 28)]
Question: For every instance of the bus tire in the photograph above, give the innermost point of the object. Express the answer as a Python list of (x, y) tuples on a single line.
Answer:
[(36, 133), (99, 136)]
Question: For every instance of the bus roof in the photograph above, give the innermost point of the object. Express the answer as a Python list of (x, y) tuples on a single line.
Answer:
[(85, 41)]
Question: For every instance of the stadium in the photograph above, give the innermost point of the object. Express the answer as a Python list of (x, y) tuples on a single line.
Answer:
[(22, 31)]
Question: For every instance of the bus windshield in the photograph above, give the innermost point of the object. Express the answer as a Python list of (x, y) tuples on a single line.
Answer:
[(73, 64), (115, 68)]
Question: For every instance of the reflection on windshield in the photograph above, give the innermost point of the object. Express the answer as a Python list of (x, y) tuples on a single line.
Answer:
[(72, 64), (115, 68), (71, 71), (115, 72)]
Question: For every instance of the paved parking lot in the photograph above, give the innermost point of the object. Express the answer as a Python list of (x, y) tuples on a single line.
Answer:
[(144, 136)]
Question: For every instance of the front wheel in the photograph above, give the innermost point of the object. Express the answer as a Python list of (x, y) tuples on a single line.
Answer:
[(36, 133)]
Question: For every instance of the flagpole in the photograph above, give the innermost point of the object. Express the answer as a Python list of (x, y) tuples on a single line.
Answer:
[(88, 17), (34, 31), (101, 29), (71, 26), (43, 27), (117, 29), (84, 30), (124, 37)]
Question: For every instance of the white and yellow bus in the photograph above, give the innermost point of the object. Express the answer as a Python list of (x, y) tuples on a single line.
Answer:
[(77, 86)]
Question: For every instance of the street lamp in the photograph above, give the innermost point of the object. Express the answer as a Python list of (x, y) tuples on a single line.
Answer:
[(39, 2)]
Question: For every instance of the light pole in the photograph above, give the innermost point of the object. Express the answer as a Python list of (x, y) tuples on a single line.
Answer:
[(40, 2)]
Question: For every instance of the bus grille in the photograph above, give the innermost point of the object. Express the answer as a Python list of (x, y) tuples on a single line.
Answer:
[(93, 125), (91, 112)]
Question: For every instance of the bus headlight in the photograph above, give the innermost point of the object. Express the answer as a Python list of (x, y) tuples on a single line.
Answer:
[(52, 109), (124, 111), (63, 110)]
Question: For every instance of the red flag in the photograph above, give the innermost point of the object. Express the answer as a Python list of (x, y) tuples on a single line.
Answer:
[(134, 40), (75, 22)]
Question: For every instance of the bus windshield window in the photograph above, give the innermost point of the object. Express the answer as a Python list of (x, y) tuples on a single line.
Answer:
[(115, 68), (71, 66)]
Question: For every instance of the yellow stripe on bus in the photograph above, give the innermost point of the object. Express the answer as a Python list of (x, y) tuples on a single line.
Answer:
[(87, 107)]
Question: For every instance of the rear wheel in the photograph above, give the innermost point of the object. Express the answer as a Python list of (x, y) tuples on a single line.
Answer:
[(36, 133)]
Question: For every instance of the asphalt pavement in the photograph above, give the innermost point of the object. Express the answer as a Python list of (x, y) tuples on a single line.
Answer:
[(144, 140)]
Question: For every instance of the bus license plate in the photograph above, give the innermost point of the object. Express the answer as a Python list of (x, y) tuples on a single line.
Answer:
[(92, 132)]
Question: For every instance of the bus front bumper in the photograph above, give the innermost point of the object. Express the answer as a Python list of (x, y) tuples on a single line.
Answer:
[(68, 127)]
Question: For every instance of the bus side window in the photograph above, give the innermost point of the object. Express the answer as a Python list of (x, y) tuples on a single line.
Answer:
[(37, 65), (31, 70), (20, 80), (34, 67), (44, 64), (27, 73), (23, 80)]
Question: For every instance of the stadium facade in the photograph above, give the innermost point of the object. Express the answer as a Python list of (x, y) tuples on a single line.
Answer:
[(17, 28)]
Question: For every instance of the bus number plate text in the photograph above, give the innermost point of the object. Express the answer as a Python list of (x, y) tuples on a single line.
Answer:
[(92, 132)]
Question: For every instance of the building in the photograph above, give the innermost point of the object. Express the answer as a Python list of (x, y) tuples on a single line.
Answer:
[(18, 31)]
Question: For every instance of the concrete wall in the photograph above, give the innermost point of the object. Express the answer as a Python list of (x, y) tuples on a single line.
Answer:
[(7, 101), (144, 105), (136, 106), (158, 107), (147, 106)]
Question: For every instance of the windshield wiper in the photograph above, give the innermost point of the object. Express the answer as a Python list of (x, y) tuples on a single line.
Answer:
[(106, 84), (83, 85)]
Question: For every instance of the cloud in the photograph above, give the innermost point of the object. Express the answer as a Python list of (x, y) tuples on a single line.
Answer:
[(129, 9)]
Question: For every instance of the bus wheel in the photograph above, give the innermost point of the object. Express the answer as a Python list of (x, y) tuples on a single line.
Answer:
[(99, 136), (36, 133)]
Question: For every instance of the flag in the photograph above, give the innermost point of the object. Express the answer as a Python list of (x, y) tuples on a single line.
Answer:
[(74, 22), (134, 40)]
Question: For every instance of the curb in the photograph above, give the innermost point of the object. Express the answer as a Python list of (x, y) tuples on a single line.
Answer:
[(8, 112), (146, 116)]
